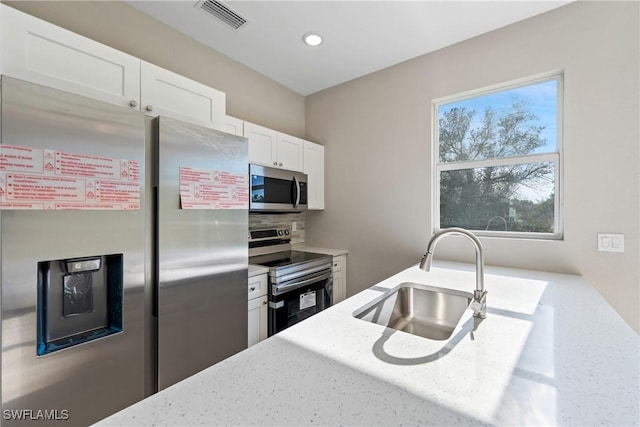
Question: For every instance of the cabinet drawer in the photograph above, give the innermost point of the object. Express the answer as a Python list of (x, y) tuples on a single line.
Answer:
[(258, 286), (338, 263)]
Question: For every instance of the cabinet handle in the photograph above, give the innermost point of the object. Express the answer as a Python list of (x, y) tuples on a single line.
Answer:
[(280, 164), (253, 288), (275, 163), (133, 103), (149, 108), (264, 303)]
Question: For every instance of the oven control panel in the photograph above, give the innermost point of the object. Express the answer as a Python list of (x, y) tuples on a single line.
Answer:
[(270, 234)]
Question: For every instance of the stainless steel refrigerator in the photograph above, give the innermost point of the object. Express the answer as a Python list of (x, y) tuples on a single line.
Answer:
[(117, 277), (202, 253), (72, 256)]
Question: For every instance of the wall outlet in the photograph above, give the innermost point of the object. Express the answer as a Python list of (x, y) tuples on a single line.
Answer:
[(294, 226), (610, 242)]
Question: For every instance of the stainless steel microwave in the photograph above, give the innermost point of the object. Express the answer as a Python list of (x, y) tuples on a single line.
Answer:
[(277, 190)]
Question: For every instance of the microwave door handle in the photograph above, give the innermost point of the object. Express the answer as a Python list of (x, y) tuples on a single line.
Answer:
[(297, 187)]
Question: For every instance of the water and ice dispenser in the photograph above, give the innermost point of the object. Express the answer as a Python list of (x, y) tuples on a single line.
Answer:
[(79, 300)]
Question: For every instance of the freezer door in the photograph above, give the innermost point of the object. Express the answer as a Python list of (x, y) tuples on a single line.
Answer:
[(78, 379), (202, 253)]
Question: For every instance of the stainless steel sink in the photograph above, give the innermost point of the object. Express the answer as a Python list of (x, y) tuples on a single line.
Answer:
[(418, 309)]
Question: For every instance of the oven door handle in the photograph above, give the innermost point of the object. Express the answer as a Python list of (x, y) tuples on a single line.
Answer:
[(297, 197), (278, 290)]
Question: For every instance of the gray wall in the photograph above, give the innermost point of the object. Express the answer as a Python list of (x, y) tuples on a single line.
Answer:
[(377, 132), (250, 95)]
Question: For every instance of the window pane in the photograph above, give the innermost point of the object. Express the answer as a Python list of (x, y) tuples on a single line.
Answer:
[(518, 198), (513, 122)]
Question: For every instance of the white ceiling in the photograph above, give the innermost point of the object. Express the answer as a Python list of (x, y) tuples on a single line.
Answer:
[(360, 37)]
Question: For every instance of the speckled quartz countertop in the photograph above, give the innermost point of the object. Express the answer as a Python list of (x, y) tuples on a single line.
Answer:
[(256, 270), (326, 251), (550, 352)]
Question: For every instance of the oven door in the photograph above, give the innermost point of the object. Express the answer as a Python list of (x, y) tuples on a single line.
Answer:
[(277, 190), (298, 300)]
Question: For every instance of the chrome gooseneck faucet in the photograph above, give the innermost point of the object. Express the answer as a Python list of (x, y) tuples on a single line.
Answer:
[(479, 303)]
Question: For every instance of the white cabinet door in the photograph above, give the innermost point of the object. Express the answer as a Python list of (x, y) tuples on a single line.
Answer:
[(339, 287), (165, 93), (314, 168), (269, 147), (258, 286), (262, 144), (257, 320), (290, 152), (43, 53), (233, 126), (339, 278)]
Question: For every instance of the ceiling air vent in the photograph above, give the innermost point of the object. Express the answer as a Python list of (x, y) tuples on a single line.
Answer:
[(222, 12)]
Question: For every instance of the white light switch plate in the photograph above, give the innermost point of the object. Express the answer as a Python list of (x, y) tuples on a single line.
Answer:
[(608, 242)]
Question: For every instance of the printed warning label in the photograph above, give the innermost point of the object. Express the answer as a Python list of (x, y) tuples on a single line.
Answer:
[(41, 179), (43, 188), (212, 189), (21, 159)]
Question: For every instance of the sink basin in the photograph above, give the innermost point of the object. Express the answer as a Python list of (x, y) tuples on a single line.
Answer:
[(418, 309)]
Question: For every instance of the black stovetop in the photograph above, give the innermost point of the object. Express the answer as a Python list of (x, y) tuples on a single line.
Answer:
[(285, 258)]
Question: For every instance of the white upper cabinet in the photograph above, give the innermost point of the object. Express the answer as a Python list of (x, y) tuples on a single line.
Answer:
[(314, 168), (37, 51), (262, 144), (233, 126), (290, 152), (164, 93), (43, 53), (272, 148)]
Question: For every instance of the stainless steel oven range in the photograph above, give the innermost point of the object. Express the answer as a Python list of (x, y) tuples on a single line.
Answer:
[(300, 283)]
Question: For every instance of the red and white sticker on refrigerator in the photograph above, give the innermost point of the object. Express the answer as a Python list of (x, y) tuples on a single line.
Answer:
[(39, 179), (213, 189)]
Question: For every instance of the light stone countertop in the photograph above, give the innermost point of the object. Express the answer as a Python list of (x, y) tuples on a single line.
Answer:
[(326, 251), (550, 352), (256, 270)]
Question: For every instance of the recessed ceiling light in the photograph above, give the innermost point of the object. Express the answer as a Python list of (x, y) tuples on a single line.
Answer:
[(312, 39)]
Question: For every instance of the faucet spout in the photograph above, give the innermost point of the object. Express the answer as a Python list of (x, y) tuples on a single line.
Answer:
[(425, 263), (479, 303)]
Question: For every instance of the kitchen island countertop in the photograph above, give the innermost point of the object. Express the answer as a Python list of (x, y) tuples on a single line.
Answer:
[(550, 352)]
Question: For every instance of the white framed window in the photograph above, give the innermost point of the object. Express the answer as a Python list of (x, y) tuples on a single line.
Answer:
[(497, 159)]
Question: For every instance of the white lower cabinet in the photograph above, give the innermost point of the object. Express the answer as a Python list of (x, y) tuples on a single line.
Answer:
[(257, 309), (339, 278)]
